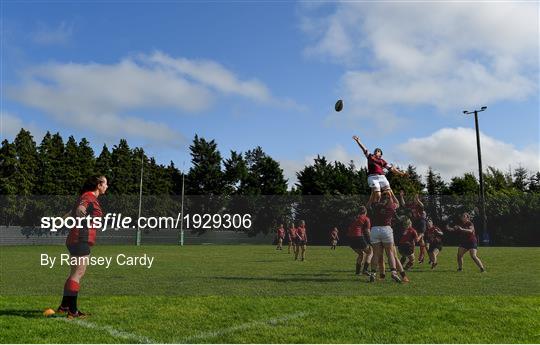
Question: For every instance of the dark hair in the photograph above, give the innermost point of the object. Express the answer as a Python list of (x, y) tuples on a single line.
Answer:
[(363, 209), (377, 149), (92, 183)]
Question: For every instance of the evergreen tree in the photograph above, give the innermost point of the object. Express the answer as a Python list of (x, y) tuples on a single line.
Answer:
[(71, 176), (466, 185), (123, 179), (235, 174), (205, 176), (9, 209), (27, 163), (104, 162), (51, 165), (264, 177), (436, 189), (495, 180), (8, 164), (534, 183), (86, 159), (521, 179), (434, 183), (175, 176)]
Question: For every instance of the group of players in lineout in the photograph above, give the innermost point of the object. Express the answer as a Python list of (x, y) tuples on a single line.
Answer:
[(371, 235)]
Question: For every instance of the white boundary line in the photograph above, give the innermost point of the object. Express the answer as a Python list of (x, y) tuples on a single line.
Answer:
[(241, 327), (112, 331)]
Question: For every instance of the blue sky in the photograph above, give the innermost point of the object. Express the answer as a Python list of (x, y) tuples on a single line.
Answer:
[(249, 74)]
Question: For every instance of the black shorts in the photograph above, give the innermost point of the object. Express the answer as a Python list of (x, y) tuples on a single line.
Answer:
[(433, 246), (469, 245), (367, 238), (79, 249), (420, 225), (358, 243), (300, 243), (405, 249)]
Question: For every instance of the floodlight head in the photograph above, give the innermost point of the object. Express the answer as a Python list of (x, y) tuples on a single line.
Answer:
[(483, 108), (464, 111)]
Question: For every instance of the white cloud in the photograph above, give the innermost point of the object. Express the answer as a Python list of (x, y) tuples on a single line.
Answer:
[(102, 98), (452, 152), (10, 126), (441, 54), (45, 35), (212, 74)]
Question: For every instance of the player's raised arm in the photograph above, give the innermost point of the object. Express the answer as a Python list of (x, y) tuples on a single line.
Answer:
[(402, 197), (397, 171), (393, 199), (470, 228), (362, 147), (417, 200)]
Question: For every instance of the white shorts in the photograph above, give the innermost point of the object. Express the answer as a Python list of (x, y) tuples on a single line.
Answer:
[(382, 234), (334, 242), (378, 182)]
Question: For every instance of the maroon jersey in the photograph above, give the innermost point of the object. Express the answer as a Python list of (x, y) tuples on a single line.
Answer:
[(434, 235), (334, 235), (292, 233), (301, 233), (409, 237), (360, 226), (376, 165), (383, 214), (281, 233), (417, 210), (85, 234), (468, 237)]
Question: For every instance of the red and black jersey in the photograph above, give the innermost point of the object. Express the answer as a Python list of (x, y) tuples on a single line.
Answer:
[(466, 236), (292, 234), (383, 214), (85, 234), (281, 233), (409, 237), (416, 209), (334, 235), (360, 226), (301, 234), (376, 165), (434, 235)]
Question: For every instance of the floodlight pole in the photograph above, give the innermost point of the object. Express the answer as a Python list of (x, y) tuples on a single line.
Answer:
[(480, 174), (140, 200), (182, 208)]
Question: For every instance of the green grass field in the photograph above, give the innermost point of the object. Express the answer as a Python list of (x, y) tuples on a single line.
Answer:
[(255, 294)]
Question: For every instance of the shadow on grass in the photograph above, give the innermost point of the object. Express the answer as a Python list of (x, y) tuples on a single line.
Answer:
[(26, 313), (282, 280), (308, 274)]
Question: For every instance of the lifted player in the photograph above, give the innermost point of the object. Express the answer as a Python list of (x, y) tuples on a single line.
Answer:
[(376, 179)]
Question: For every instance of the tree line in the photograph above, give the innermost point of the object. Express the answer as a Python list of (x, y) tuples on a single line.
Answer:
[(327, 193)]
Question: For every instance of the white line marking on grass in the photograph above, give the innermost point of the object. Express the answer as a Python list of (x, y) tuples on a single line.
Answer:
[(112, 331), (242, 327)]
